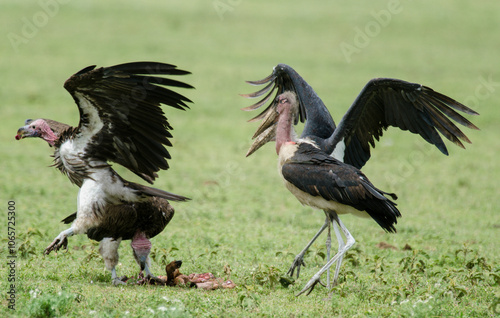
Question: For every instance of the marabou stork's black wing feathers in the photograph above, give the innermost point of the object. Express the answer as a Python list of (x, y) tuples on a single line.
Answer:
[(320, 175), (120, 115), (385, 102), (312, 111)]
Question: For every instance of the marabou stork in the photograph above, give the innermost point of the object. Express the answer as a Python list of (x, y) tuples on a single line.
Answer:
[(121, 121), (383, 102)]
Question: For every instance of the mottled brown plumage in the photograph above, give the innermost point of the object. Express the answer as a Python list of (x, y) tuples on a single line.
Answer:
[(123, 220)]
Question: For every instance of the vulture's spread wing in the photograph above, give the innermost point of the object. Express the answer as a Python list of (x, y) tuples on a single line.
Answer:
[(120, 115)]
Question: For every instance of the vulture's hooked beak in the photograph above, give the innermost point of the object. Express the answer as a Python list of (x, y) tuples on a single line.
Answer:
[(25, 132)]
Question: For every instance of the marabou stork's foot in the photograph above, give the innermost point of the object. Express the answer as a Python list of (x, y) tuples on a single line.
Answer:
[(297, 262), (310, 285), (120, 280), (59, 241)]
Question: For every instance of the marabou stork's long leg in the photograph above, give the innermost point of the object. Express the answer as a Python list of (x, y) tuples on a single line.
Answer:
[(316, 277), (328, 248), (299, 259), (341, 246)]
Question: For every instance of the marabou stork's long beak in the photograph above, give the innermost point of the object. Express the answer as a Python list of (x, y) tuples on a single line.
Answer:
[(265, 132)]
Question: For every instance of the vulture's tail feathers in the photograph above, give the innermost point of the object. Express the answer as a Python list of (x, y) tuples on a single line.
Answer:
[(69, 219), (154, 192)]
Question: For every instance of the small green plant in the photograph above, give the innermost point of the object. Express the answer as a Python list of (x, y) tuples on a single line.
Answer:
[(247, 300), (27, 243), (163, 256), (352, 256), (50, 304), (92, 253), (268, 275), (415, 263)]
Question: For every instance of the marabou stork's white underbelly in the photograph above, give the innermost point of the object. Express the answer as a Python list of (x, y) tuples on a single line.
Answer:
[(319, 202)]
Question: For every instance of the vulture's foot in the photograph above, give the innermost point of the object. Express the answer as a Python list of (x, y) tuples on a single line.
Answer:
[(154, 280), (310, 285), (57, 244), (150, 279), (140, 278), (120, 280), (297, 262)]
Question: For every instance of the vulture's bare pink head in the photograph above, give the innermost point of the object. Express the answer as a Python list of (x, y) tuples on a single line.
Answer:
[(37, 128)]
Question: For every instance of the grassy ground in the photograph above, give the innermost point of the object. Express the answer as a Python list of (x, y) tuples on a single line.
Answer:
[(242, 223)]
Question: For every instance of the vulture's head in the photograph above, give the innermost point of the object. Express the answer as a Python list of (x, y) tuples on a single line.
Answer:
[(37, 128)]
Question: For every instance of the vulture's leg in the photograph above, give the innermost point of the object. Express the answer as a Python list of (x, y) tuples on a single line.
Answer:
[(147, 266), (316, 277), (141, 247), (108, 249), (341, 246), (60, 241), (299, 259)]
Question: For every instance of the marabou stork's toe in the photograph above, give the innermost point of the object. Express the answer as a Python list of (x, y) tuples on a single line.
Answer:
[(310, 285), (297, 262)]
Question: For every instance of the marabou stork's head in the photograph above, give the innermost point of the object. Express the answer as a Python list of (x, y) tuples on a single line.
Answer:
[(288, 99), (267, 130)]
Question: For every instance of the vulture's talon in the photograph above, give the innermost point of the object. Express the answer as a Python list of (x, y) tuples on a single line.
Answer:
[(56, 245), (154, 280), (118, 281)]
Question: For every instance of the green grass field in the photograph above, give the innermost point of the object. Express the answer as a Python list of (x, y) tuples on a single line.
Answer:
[(242, 223)]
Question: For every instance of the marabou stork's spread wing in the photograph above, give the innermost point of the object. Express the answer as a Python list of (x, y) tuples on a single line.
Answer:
[(120, 115), (385, 102), (314, 172), (284, 78)]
